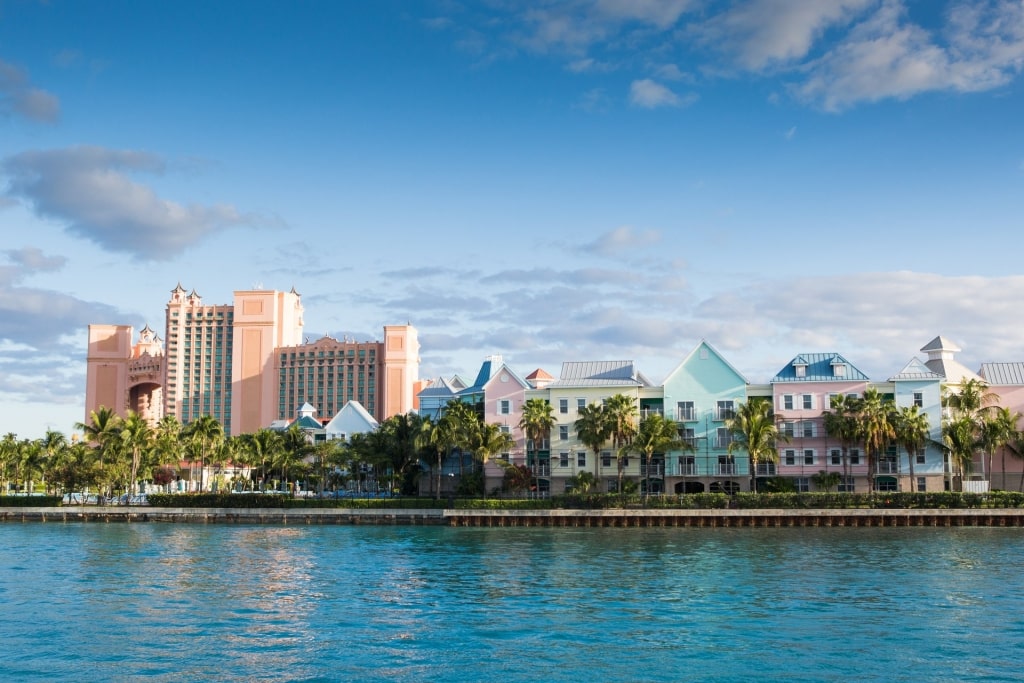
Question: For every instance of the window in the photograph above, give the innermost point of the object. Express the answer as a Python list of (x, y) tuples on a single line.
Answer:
[(802, 484), (563, 406), (919, 399), (606, 459), (563, 432), (722, 438), (921, 484), (854, 457), (687, 435), (504, 407), (807, 401), (807, 429), (581, 403), (836, 456), (886, 484), (725, 410), (808, 456), (563, 459), (787, 402), (581, 459), (789, 456), (685, 410), (801, 370), (919, 457), (787, 430), (846, 485), (504, 429)]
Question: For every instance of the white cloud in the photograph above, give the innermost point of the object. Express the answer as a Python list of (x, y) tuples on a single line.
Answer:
[(18, 96), (761, 33), (649, 94), (90, 190), (887, 56)]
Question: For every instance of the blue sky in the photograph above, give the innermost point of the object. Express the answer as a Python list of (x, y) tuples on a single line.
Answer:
[(548, 180)]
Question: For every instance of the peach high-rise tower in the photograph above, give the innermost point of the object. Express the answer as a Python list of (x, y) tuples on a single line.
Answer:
[(220, 358)]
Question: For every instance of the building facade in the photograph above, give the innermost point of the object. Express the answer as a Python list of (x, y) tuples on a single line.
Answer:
[(245, 364)]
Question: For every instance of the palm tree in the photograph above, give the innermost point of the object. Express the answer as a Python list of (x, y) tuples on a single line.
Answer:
[(8, 451), (491, 441), (876, 428), (960, 442), (592, 429), (295, 447), (971, 398), (911, 431), (998, 427), (841, 424), (206, 433), (656, 435), (754, 430), (620, 412), (264, 446), (439, 438), (536, 422), (54, 443), (136, 440)]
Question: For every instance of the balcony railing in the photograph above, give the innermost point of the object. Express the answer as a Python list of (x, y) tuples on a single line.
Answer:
[(655, 470), (686, 415), (888, 468), (725, 468), (544, 445), (685, 469), (722, 442), (542, 470), (647, 412)]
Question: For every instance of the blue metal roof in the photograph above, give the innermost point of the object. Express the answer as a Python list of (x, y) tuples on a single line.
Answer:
[(820, 368)]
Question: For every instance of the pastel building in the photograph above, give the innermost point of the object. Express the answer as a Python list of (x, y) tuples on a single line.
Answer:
[(801, 392), (329, 373), (700, 394), (924, 470), (124, 376), (1006, 381), (246, 364), (580, 384), (220, 357)]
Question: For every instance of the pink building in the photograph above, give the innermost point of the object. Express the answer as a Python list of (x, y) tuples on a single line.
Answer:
[(222, 360)]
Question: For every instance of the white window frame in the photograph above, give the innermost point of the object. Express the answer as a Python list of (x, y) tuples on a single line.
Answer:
[(807, 401), (504, 407), (787, 402)]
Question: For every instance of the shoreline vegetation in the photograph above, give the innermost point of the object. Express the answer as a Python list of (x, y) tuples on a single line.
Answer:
[(943, 500)]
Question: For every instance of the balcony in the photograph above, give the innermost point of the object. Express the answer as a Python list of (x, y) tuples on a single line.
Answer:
[(542, 470), (655, 470), (647, 412), (888, 467), (726, 468), (686, 415), (685, 469)]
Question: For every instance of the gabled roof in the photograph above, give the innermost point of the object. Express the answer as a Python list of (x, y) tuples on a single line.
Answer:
[(712, 349), (444, 387), (307, 422), (1002, 373), (608, 373), (491, 368), (353, 418), (819, 369), (915, 370)]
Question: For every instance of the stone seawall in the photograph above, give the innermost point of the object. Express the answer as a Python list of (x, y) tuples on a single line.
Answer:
[(545, 518)]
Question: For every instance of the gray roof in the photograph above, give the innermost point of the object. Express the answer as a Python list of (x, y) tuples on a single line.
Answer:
[(1002, 373), (605, 373), (915, 370)]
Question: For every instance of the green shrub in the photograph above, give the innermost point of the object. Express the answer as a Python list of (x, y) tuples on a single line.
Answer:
[(29, 501)]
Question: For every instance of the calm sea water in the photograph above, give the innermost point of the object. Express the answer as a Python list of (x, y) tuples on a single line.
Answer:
[(159, 602)]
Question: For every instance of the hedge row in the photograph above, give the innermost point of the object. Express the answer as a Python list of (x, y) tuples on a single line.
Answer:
[(600, 501), (29, 501)]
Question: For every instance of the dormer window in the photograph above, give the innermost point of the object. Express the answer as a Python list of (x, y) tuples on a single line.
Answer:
[(839, 369), (801, 370)]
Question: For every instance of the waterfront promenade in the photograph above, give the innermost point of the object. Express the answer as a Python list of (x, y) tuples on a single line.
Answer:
[(972, 517)]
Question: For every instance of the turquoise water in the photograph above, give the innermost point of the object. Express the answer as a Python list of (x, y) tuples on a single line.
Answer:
[(159, 602)]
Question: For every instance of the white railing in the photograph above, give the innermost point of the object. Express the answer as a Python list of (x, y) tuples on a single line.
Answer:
[(725, 468)]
